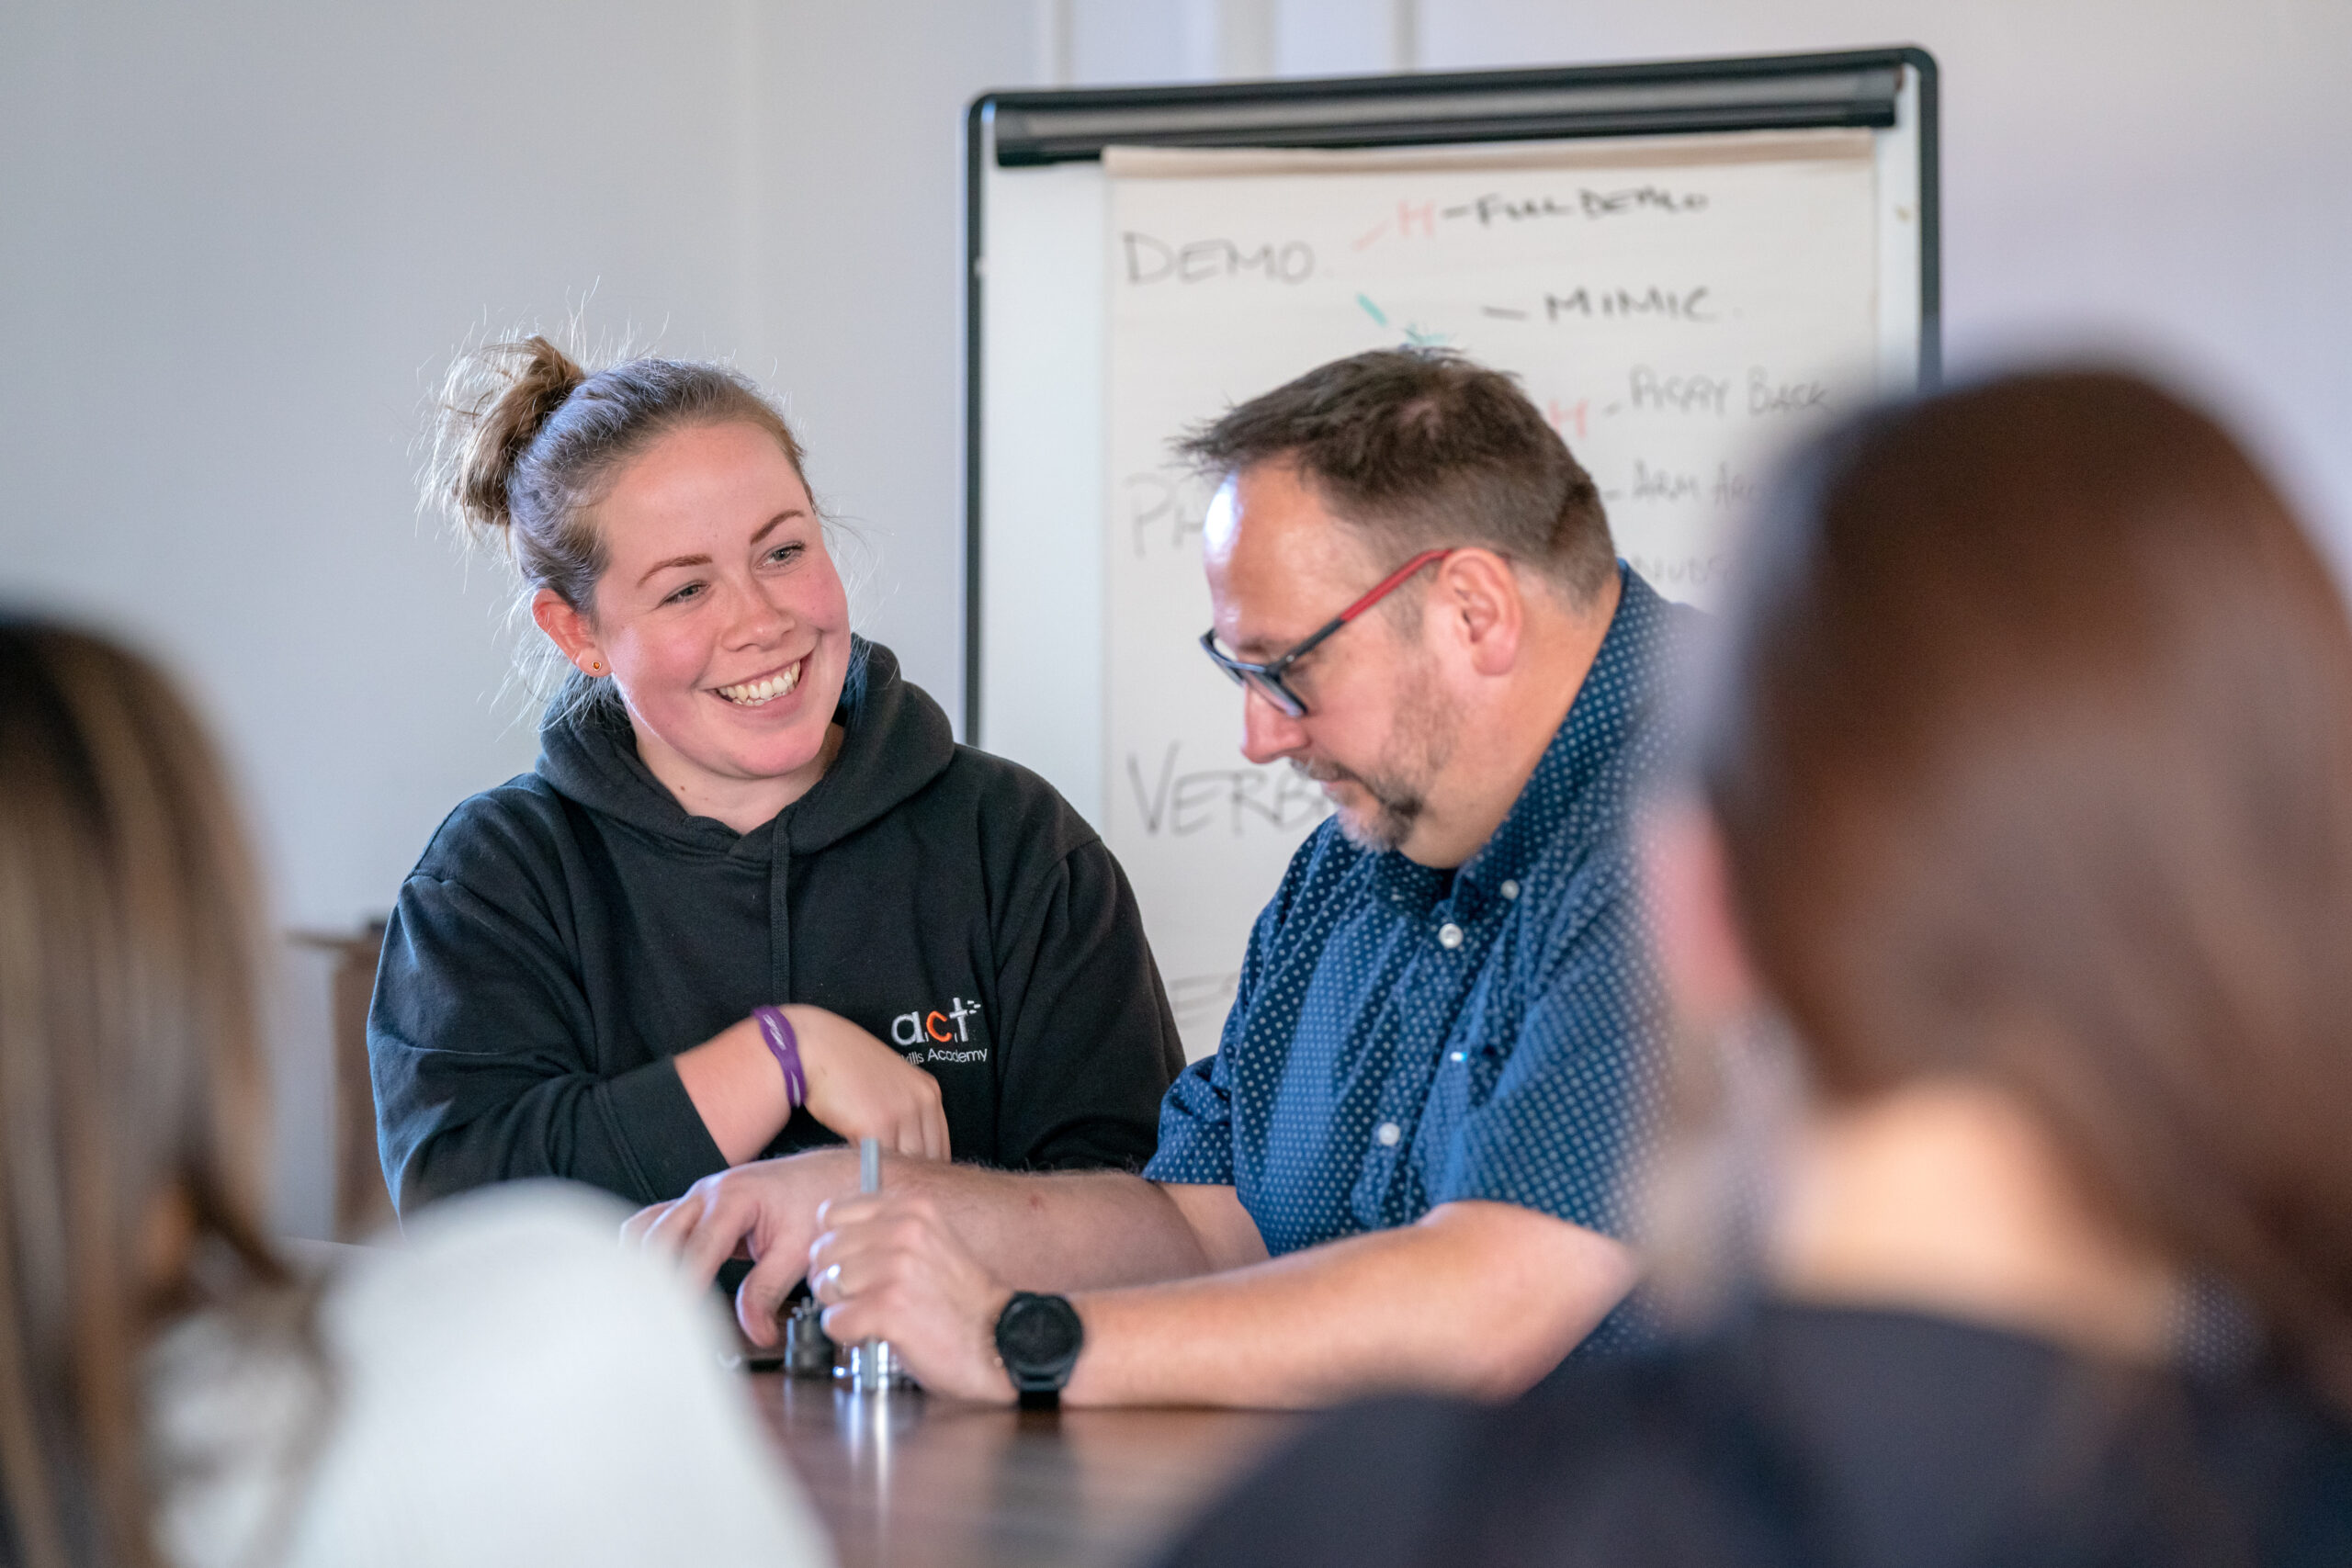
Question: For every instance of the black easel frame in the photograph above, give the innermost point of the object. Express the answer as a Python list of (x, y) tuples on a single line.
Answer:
[(1855, 89)]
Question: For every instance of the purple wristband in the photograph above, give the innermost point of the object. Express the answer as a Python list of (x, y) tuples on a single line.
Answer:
[(784, 1047)]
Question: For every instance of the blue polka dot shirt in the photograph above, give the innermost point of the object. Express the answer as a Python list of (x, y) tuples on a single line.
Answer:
[(1403, 1037)]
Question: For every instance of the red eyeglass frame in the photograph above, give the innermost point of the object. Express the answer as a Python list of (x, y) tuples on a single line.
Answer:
[(1266, 679)]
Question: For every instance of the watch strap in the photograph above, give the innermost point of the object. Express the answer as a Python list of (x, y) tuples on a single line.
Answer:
[(1038, 1339)]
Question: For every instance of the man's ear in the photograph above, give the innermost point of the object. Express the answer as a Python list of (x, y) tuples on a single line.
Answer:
[(1479, 594), (570, 631)]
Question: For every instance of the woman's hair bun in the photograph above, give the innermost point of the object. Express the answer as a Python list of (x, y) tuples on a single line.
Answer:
[(525, 442), (496, 400)]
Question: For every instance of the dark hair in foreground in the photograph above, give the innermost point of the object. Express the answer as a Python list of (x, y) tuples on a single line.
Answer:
[(2032, 750), (526, 441), (1422, 449), (131, 1075)]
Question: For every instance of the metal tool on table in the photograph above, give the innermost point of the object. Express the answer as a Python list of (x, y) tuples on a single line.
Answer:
[(872, 1368), (807, 1353)]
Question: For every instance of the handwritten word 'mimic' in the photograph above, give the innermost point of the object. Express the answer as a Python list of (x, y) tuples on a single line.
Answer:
[(1183, 804), (1587, 304), (1201, 261), (1489, 210), (1670, 304)]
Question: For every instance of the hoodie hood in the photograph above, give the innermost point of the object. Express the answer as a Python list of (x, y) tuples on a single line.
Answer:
[(894, 742)]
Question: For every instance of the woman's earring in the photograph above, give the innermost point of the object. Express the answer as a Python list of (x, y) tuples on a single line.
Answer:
[(596, 666)]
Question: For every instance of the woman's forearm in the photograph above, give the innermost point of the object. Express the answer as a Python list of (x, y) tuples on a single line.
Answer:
[(737, 1087), (854, 1084)]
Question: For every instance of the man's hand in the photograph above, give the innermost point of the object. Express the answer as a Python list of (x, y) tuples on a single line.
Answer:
[(862, 1089), (1073, 1231), (887, 1266), (766, 1212)]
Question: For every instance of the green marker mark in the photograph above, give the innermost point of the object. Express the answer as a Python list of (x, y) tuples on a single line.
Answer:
[(1372, 309)]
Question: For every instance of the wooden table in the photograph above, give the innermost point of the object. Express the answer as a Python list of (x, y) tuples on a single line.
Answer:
[(916, 1483)]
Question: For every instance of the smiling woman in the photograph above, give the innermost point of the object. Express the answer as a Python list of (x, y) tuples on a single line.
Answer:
[(748, 852)]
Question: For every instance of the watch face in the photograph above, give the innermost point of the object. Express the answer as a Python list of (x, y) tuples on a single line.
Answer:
[(1039, 1337)]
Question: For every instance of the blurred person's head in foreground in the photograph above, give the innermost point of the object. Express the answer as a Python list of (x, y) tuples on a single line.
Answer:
[(169, 1391), (131, 1097), (2022, 821)]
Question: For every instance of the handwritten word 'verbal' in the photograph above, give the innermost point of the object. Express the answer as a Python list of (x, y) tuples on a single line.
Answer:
[(1654, 301), (1185, 804), (1203, 261)]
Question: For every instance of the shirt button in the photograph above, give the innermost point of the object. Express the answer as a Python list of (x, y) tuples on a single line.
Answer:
[(1459, 1056), (1388, 1133), (1449, 935), (1511, 889)]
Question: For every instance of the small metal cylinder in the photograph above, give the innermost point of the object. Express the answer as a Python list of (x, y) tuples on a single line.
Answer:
[(872, 1368), (807, 1353)]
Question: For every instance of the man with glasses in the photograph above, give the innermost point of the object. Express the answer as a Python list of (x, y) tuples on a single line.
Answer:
[(1405, 1164)]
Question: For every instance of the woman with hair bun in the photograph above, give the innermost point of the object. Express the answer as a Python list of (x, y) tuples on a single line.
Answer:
[(754, 895)]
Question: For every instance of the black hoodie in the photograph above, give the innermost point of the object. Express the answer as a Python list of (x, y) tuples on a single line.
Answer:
[(567, 933)]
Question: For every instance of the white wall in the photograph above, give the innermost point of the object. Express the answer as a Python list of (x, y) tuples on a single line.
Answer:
[(2170, 179), (2166, 180), (238, 240)]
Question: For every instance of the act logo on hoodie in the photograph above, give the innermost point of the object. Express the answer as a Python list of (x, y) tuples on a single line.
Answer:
[(939, 1036)]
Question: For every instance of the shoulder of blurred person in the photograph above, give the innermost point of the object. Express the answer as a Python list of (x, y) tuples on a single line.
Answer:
[(1800, 1434), (502, 1385)]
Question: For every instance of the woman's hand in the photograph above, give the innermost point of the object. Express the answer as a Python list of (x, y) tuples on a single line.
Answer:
[(862, 1089)]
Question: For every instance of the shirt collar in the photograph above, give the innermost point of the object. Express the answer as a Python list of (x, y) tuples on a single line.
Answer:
[(1406, 882), (1611, 702)]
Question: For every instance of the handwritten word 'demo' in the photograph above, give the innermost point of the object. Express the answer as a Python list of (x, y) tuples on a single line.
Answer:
[(1203, 261)]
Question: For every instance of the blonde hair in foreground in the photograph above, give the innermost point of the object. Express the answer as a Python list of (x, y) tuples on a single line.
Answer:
[(131, 1094)]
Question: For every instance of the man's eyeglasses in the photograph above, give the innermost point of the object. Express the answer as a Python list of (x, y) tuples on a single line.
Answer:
[(1266, 679)]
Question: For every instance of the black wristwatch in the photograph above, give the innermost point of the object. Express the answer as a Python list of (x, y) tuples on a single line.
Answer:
[(1039, 1339)]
